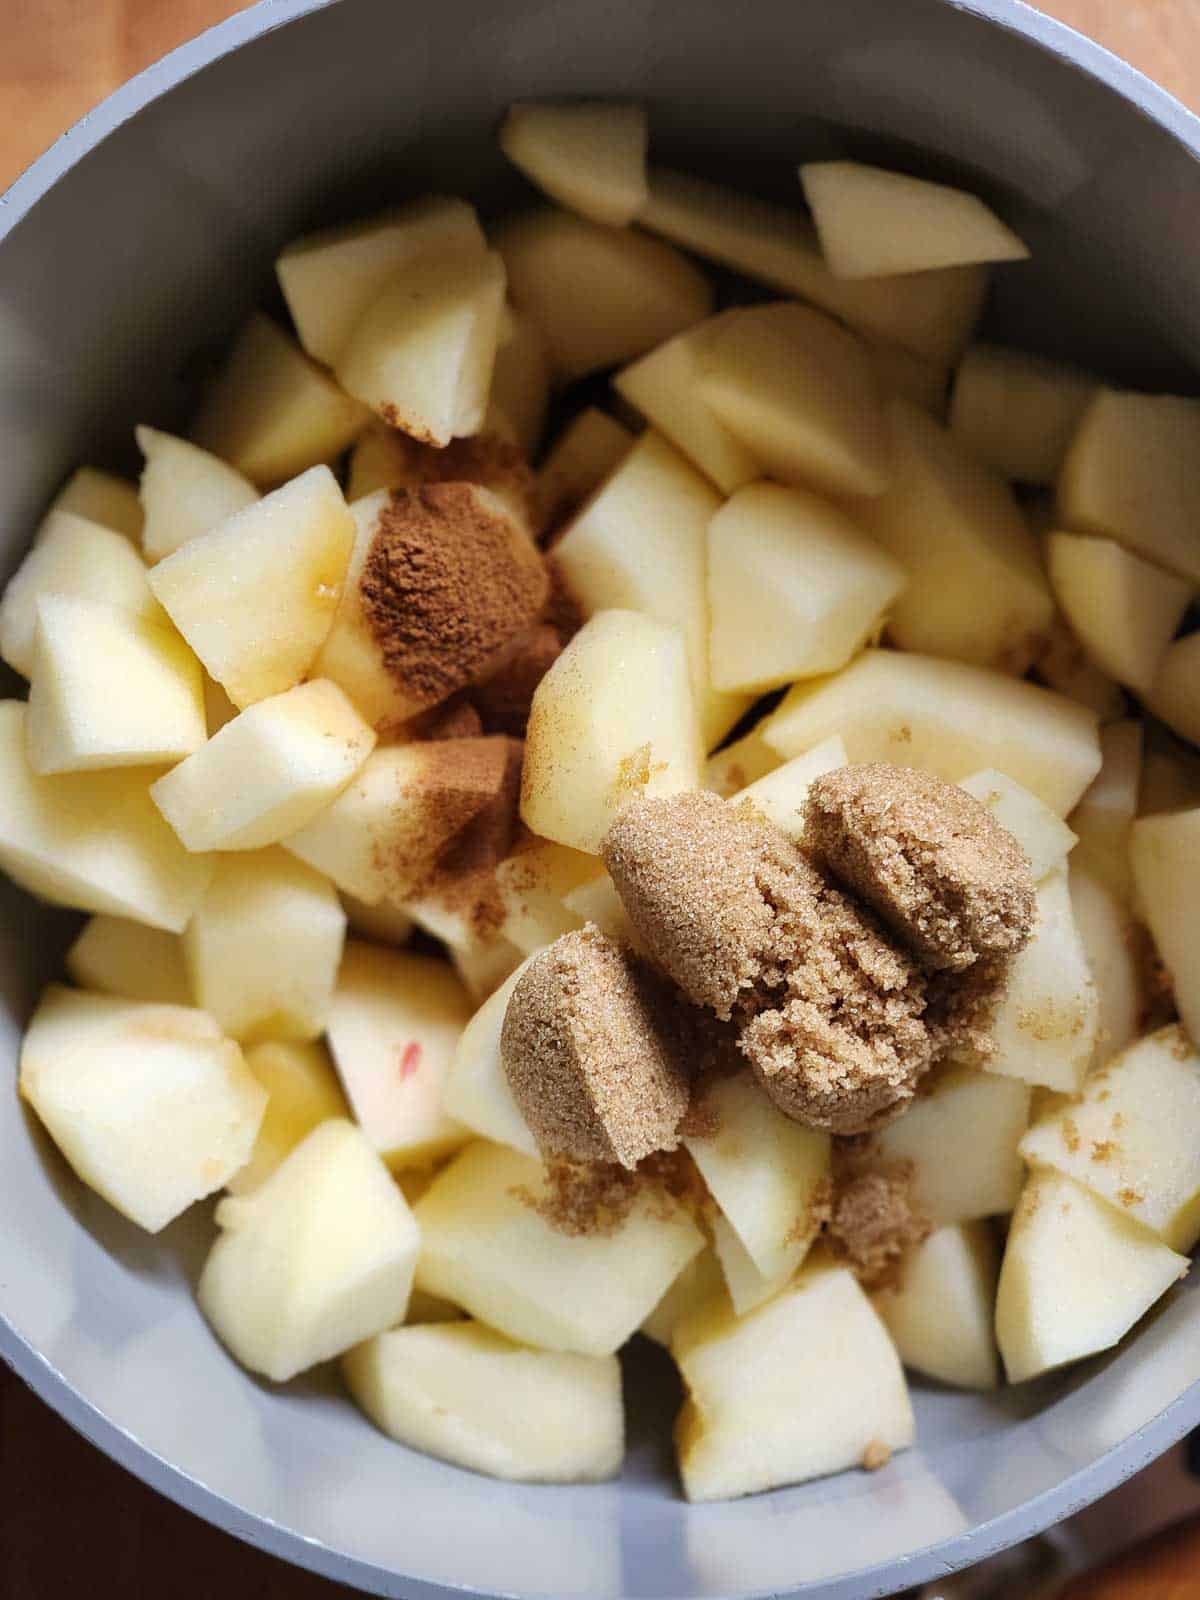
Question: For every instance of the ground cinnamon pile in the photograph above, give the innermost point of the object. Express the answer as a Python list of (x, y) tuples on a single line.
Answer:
[(450, 584)]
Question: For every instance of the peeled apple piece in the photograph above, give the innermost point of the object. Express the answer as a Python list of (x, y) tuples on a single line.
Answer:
[(1133, 1135), (329, 278), (268, 772), (798, 391), (71, 556), (930, 313), (1076, 1276), (941, 1314), (946, 717), (272, 413), (185, 491), (314, 1260), (150, 1104), (395, 1021), (1175, 693), (1129, 475), (1124, 611), (958, 533), (601, 296), (874, 224), (795, 587), (664, 386), (256, 596), (422, 354), (590, 156), (92, 840), (1016, 411), (110, 689), (104, 498), (485, 1247), (461, 1392), (1165, 851), (613, 719), (799, 1388)]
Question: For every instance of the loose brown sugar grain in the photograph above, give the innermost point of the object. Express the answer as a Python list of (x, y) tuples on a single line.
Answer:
[(876, 1455), (830, 1010), (449, 585), (930, 859), (874, 1221), (589, 1049), (586, 1197)]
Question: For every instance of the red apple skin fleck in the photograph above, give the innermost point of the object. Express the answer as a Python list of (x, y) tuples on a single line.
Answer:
[(410, 1059)]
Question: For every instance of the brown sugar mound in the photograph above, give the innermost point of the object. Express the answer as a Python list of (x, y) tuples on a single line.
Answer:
[(830, 1009), (874, 1221), (928, 857), (590, 1052), (449, 585)]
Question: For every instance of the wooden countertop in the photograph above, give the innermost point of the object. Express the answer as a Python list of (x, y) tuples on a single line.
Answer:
[(69, 1519)]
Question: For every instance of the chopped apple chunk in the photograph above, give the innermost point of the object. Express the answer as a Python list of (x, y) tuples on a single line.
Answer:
[(486, 1246), (272, 413), (795, 587), (316, 1259), (1123, 610), (115, 956), (947, 717), (104, 498), (580, 459), (1165, 851), (1017, 412), (381, 837), (329, 278), (979, 1116), (110, 689), (1045, 1026), (422, 354), (1133, 1136), (1077, 1274), (665, 388), (877, 224), (74, 557), (601, 296), (1044, 836), (467, 1395), (302, 1092), (798, 391), (1128, 476), (268, 772), (185, 491), (263, 947), (930, 313), (940, 1315), (1174, 694), (92, 840), (477, 1092), (781, 796), (150, 1104), (589, 156), (256, 596), (613, 718), (394, 1025), (957, 532), (753, 1421)]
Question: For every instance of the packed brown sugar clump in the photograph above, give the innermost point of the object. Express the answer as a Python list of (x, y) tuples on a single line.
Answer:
[(935, 865), (450, 585), (590, 1048), (830, 1010)]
